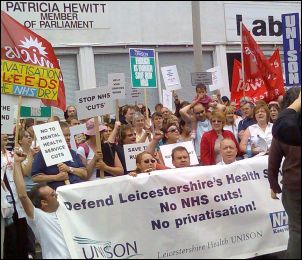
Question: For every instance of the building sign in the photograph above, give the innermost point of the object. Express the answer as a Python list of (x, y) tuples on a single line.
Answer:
[(291, 48), (142, 66), (59, 15), (263, 20)]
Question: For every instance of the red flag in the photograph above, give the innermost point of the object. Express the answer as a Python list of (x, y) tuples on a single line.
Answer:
[(19, 44), (255, 63)]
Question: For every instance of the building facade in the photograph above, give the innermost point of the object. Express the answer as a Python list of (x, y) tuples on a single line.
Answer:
[(92, 38)]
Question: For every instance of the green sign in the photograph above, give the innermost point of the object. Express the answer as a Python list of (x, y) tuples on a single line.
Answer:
[(142, 66), (35, 111)]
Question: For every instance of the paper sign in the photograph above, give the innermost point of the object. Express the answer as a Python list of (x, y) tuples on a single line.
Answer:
[(167, 99), (142, 67), (75, 130), (217, 82), (7, 116), (35, 112), (94, 102), (130, 151), (171, 77), (201, 77), (52, 143), (29, 80), (166, 151), (116, 82)]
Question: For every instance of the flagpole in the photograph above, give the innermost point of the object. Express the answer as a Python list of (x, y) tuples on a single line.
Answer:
[(242, 61)]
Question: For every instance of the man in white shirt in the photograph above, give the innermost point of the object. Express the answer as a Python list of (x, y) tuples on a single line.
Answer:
[(41, 214), (228, 151)]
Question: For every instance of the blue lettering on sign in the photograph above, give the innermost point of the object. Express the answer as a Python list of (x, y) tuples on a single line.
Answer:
[(291, 48), (141, 53), (278, 219), (24, 91)]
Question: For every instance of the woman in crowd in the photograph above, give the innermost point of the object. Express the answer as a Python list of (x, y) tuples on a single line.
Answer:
[(274, 109), (232, 121), (185, 131), (139, 123), (260, 132), (210, 141), (144, 163), (108, 162)]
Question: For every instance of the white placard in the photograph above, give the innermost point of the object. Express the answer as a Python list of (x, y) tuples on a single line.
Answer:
[(168, 99), (217, 82), (7, 115), (52, 143), (94, 102), (166, 151), (116, 82), (130, 151), (218, 211), (75, 130), (171, 77)]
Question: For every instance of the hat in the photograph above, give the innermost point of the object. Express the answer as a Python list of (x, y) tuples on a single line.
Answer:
[(90, 127)]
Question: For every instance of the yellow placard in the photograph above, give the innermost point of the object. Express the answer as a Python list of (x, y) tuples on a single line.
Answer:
[(29, 80)]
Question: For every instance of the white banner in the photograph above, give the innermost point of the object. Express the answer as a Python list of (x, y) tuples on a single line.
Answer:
[(130, 151), (7, 115), (171, 78), (198, 212), (52, 143), (116, 82), (168, 99), (166, 151), (94, 102), (75, 130)]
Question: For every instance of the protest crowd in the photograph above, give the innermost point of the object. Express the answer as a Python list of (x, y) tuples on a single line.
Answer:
[(206, 131)]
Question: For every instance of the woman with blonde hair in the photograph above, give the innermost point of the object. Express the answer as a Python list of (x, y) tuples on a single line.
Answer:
[(232, 121), (210, 141)]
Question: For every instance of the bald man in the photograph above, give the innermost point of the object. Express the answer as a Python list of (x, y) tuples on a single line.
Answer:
[(228, 151)]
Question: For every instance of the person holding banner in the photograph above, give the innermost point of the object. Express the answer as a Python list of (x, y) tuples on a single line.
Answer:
[(144, 163), (40, 207), (55, 175), (110, 164), (210, 141)]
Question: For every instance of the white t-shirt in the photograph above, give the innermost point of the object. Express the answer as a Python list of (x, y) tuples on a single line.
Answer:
[(81, 152), (7, 162), (256, 131), (48, 232)]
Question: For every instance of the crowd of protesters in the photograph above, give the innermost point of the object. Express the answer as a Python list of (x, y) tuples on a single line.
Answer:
[(220, 132)]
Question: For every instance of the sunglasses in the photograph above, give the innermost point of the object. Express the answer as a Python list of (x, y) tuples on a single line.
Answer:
[(200, 112), (173, 130), (149, 160)]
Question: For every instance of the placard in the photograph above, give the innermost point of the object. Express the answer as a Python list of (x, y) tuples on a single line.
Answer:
[(52, 143), (7, 116), (201, 77), (130, 151), (116, 82), (217, 82), (94, 102), (167, 99), (75, 130), (171, 78), (166, 151)]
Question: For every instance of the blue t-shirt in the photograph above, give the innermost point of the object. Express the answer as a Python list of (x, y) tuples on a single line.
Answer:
[(39, 166)]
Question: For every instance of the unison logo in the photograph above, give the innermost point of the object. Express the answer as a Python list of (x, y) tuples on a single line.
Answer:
[(93, 249), (279, 221)]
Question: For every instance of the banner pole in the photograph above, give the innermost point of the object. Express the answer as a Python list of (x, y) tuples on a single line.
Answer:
[(242, 61), (146, 105), (17, 120), (117, 114), (98, 142), (35, 138)]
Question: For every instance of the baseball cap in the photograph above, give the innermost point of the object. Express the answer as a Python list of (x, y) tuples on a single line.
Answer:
[(90, 127)]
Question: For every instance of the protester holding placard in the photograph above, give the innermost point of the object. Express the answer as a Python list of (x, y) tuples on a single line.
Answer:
[(55, 175), (110, 163), (210, 141), (40, 207), (144, 163)]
